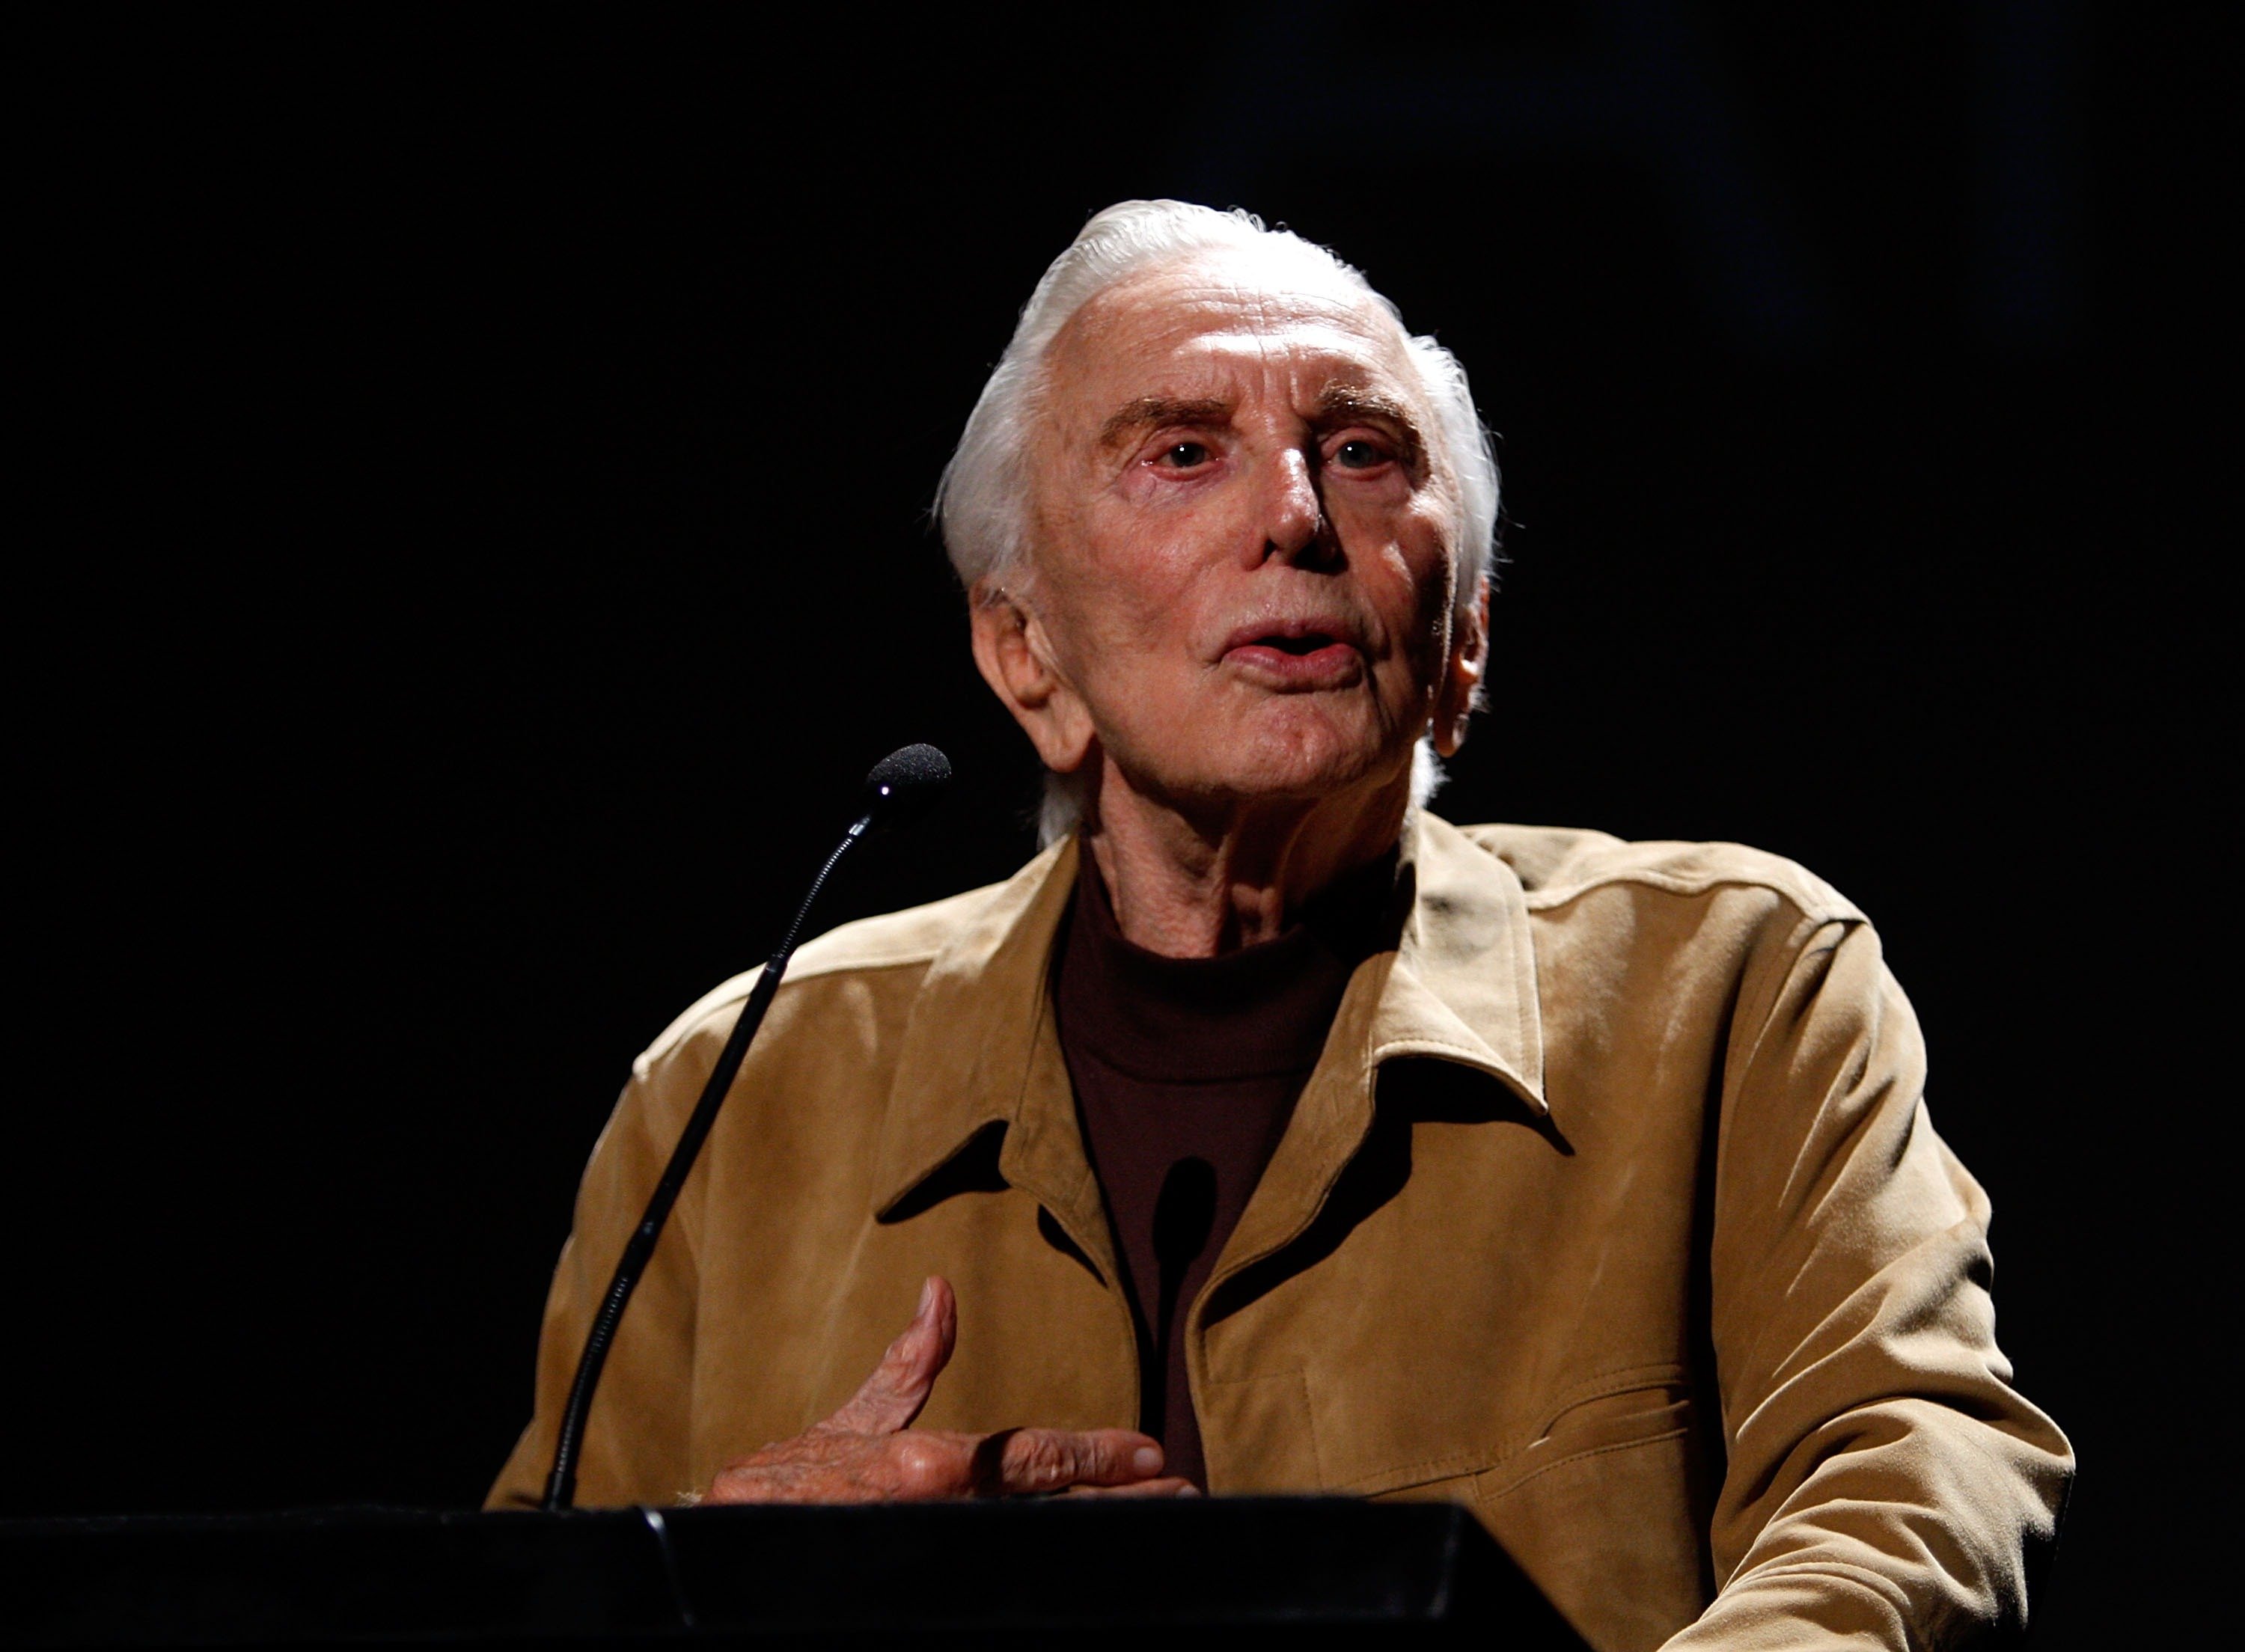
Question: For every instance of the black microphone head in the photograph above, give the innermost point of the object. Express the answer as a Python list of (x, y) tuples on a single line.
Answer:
[(906, 784)]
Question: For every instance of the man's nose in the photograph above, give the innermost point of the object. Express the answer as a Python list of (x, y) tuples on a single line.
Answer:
[(1294, 525)]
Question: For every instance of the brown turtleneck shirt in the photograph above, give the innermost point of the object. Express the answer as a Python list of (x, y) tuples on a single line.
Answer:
[(1185, 1072)]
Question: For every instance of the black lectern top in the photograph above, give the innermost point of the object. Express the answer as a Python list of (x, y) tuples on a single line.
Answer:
[(1092, 1572)]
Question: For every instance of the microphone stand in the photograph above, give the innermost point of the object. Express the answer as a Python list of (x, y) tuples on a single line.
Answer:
[(909, 778)]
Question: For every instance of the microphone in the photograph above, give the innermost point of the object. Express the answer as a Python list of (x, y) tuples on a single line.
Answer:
[(902, 788)]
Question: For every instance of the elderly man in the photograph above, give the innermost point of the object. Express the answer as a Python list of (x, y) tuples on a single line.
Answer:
[(1267, 1133)]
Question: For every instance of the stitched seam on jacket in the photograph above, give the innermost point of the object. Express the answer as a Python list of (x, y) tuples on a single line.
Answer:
[(1550, 900), (697, 1015), (1802, 944), (1457, 1466), (1300, 1377), (1541, 1470), (814, 970), (1413, 1046), (1629, 1379)]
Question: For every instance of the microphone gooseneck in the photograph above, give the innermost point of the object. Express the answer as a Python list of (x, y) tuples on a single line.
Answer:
[(903, 787)]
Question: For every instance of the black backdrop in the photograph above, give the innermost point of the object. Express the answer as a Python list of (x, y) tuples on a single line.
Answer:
[(475, 542)]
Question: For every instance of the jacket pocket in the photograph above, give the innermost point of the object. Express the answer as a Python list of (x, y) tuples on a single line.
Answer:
[(1607, 1511), (1636, 1416), (1615, 1408), (1603, 1509)]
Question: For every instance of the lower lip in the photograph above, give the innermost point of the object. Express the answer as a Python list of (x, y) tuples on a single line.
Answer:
[(1334, 666)]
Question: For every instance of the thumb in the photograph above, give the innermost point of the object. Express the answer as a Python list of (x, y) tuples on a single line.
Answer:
[(900, 1386)]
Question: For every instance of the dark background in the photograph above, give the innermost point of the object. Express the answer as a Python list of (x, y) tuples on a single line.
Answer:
[(475, 542)]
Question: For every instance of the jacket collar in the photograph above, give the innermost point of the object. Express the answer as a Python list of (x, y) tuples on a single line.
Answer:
[(980, 1048)]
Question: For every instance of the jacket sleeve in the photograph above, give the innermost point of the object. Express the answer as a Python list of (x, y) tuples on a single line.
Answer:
[(635, 1448), (1885, 1486)]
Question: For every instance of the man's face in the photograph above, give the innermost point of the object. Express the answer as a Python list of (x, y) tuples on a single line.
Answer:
[(1242, 539)]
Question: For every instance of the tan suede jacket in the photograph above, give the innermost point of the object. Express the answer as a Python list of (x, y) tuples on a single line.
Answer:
[(1611, 1211)]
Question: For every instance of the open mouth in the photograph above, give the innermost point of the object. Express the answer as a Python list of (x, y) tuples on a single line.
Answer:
[(1308, 643), (1292, 658)]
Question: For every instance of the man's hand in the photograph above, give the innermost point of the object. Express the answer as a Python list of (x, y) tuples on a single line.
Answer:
[(869, 1452)]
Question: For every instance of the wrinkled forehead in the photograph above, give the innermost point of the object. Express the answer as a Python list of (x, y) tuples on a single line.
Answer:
[(1226, 323)]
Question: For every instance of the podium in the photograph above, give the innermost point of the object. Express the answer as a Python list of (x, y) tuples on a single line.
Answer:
[(1109, 1572)]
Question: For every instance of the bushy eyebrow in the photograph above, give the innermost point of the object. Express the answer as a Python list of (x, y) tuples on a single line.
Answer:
[(1336, 404), (1152, 412), (1352, 404)]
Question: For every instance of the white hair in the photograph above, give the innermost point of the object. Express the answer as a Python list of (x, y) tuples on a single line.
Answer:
[(983, 499)]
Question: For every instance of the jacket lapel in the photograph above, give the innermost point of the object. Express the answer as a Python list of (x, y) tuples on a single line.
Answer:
[(982, 1046), (967, 1059), (1460, 986)]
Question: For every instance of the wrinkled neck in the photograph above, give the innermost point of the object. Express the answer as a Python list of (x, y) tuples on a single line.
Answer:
[(1255, 1010), (1213, 880)]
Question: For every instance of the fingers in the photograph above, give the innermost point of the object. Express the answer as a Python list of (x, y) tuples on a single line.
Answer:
[(832, 1465), (894, 1395), (1051, 1460), (1167, 1486)]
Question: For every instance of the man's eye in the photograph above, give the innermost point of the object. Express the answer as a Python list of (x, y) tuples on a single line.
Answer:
[(1359, 455), (1184, 456)]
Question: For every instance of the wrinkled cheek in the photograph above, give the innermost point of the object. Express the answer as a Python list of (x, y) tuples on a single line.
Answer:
[(1431, 637), (1127, 659), (1131, 681), (1437, 584), (1403, 702), (1098, 628), (1424, 647)]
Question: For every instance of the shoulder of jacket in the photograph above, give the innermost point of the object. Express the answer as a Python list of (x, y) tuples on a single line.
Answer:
[(1556, 864), (890, 940)]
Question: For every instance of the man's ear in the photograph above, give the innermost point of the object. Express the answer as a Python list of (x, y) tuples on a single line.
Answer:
[(1015, 658), (1461, 678)]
